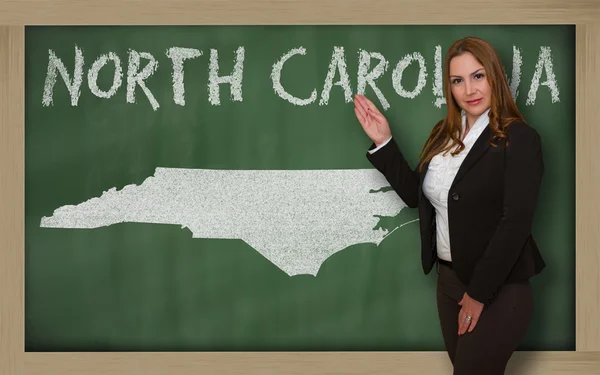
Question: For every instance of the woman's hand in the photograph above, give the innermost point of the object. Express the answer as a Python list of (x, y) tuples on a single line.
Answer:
[(472, 308), (374, 124)]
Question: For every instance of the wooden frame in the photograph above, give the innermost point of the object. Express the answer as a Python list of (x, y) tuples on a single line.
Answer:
[(14, 15)]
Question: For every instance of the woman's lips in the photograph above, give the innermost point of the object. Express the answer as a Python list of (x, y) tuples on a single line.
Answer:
[(474, 102)]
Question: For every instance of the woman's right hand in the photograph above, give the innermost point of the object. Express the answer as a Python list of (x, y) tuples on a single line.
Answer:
[(373, 122)]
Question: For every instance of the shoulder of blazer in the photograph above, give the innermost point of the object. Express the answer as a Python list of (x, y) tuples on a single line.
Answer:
[(520, 129)]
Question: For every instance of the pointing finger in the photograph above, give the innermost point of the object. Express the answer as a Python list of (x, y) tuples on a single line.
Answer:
[(360, 101), (360, 110), (359, 115)]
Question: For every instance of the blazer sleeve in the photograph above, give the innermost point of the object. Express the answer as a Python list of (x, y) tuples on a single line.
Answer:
[(391, 163), (523, 173)]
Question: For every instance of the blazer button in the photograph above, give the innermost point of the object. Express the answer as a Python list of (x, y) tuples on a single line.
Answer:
[(455, 196)]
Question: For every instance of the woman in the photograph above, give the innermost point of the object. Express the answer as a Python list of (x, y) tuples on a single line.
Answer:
[(476, 188)]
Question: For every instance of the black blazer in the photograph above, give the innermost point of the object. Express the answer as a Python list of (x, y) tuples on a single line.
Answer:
[(491, 206)]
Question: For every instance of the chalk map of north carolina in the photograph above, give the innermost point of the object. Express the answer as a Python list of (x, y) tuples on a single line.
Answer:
[(295, 219)]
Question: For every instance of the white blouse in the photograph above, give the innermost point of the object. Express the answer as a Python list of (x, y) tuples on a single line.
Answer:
[(440, 175)]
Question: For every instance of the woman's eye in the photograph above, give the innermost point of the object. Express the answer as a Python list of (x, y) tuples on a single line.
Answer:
[(455, 80), (479, 75)]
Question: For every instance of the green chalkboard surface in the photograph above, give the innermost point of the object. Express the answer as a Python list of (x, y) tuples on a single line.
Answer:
[(206, 188)]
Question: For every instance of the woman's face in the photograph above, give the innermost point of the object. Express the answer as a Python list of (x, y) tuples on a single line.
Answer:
[(470, 88)]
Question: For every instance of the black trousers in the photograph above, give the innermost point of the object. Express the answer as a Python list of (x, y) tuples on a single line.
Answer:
[(501, 327)]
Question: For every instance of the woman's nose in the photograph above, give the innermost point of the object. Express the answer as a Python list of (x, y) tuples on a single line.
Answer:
[(469, 88)]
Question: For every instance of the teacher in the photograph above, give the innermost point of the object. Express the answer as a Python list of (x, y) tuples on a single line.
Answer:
[(476, 187)]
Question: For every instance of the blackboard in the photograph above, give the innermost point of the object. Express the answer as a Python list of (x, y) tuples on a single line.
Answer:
[(259, 161)]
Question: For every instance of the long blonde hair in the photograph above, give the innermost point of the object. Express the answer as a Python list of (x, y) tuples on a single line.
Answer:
[(447, 133)]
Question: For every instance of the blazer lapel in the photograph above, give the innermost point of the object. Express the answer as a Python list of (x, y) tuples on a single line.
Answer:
[(479, 147)]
